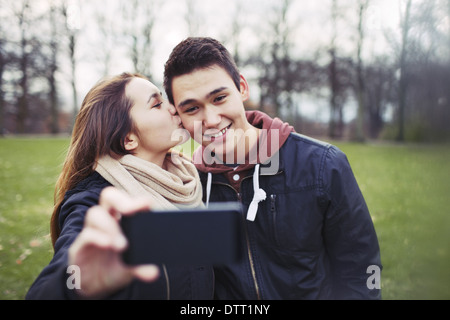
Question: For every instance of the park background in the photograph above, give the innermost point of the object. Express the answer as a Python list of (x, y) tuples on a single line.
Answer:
[(371, 76)]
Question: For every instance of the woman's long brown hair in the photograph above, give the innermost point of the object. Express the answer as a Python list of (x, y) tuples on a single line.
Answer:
[(101, 127)]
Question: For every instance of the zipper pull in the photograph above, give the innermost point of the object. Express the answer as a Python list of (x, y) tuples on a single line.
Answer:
[(273, 198)]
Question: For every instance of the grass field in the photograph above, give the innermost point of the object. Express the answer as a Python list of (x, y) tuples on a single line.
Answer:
[(406, 188)]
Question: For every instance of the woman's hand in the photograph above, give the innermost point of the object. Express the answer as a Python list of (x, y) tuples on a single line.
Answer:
[(97, 249)]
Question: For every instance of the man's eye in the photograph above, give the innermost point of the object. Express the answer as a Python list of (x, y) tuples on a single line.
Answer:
[(220, 98), (191, 109)]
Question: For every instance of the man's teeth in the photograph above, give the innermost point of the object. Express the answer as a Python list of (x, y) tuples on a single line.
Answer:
[(218, 134)]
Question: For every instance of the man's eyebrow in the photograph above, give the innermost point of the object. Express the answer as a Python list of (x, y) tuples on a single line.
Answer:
[(185, 103), (189, 101), (215, 92)]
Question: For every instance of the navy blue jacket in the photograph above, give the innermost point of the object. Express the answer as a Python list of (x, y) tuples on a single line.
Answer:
[(313, 237), (177, 284)]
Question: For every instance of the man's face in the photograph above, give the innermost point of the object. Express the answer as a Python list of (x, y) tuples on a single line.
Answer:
[(211, 108)]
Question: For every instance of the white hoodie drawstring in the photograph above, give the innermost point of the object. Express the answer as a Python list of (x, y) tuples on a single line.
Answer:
[(258, 196), (208, 188)]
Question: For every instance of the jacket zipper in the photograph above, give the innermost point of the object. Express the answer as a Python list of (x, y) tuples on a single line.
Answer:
[(249, 252), (273, 198), (250, 258), (166, 275), (214, 285)]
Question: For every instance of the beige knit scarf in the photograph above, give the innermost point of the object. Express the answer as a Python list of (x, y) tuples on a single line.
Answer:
[(177, 187)]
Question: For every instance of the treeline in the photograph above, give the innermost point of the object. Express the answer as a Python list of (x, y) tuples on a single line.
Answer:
[(400, 92)]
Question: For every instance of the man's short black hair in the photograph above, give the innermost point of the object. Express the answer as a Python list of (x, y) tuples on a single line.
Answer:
[(198, 53)]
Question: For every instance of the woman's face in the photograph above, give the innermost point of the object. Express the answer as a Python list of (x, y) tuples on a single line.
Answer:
[(159, 129)]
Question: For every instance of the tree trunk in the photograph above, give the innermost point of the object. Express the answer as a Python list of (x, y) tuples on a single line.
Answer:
[(360, 85), (403, 79)]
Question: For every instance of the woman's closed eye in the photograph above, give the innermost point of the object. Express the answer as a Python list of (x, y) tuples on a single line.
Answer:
[(157, 105)]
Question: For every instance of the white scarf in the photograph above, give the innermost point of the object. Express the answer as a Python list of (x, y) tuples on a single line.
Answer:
[(178, 186)]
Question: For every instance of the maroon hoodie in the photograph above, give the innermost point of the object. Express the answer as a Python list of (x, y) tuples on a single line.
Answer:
[(267, 124)]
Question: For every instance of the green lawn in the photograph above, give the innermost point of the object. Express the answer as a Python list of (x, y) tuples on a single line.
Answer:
[(405, 187), (28, 172), (407, 191)]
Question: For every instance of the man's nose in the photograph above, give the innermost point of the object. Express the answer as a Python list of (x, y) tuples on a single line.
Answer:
[(211, 118)]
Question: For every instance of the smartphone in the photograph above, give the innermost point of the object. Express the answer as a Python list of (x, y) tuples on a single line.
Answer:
[(207, 236)]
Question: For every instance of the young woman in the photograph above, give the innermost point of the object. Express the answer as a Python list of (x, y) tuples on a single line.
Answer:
[(122, 138)]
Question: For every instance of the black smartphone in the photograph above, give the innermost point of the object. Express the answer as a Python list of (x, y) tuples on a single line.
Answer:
[(208, 236)]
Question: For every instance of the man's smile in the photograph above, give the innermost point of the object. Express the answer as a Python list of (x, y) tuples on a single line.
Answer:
[(214, 134)]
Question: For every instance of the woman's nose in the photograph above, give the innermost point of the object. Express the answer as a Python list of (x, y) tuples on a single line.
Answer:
[(171, 108)]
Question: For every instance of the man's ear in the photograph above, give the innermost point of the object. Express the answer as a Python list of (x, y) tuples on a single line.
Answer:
[(131, 142), (245, 91)]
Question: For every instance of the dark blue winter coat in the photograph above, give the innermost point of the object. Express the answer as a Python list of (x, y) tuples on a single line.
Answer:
[(313, 236)]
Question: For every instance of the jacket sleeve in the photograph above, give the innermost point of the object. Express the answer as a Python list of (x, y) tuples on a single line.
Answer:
[(51, 283), (349, 233)]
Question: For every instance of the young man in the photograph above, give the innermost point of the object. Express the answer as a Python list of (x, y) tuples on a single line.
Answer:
[(308, 232)]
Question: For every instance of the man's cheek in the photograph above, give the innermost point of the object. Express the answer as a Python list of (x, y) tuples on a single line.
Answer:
[(195, 130)]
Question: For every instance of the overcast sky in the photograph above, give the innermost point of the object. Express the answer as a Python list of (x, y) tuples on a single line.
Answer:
[(308, 18), (309, 21)]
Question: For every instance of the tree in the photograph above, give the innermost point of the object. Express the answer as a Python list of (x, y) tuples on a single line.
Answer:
[(422, 70), (25, 56), (427, 72), (50, 73), (380, 92), (235, 33), (105, 26), (275, 82), (3, 64), (403, 82), (339, 78), (139, 19), (25, 62), (71, 14), (360, 86), (192, 18)]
